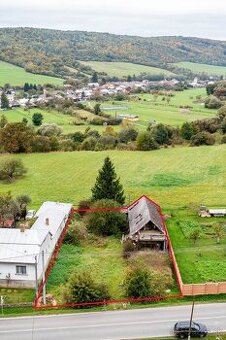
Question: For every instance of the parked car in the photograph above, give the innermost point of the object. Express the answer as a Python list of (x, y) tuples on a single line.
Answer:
[(181, 329), (30, 214)]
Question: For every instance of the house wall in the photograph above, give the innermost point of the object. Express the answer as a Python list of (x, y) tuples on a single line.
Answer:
[(17, 280)]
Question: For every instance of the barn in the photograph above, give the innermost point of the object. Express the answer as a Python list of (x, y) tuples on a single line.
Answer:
[(146, 225)]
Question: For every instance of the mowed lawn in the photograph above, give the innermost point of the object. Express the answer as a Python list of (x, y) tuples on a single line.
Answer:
[(121, 69), (15, 76), (148, 109), (203, 68), (174, 177)]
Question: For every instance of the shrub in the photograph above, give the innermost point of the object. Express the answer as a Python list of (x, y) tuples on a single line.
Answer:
[(223, 140), (76, 234), (106, 222), (213, 102), (137, 283), (128, 135), (50, 130), (128, 249), (146, 142), (83, 288), (41, 144), (67, 145), (202, 138), (11, 169), (89, 143), (37, 119)]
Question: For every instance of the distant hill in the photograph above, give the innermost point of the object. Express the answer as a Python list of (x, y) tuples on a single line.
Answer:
[(54, 52)]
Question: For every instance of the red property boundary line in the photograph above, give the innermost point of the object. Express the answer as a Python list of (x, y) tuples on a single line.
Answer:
[(108, 302)]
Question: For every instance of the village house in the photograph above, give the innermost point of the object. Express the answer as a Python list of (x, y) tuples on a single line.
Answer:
[(146, 225), (25, 253)]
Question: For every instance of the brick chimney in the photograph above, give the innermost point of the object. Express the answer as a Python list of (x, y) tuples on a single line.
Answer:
[(47, 221), (22, 228)]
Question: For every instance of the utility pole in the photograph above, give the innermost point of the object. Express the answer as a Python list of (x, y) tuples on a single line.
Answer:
[(36, 276), (2, 303), (43, 278), (192, 311)]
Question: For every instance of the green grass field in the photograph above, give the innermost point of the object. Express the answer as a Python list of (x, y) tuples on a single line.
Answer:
[(15, 76), (148, 109), (203, 261), (174, 177), (202, 68), (104, 261), (121, 69)]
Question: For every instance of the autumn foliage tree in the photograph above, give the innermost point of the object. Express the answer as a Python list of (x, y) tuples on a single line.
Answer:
[(16, 138)]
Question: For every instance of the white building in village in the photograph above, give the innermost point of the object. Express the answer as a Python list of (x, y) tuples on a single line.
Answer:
[(21, 263)]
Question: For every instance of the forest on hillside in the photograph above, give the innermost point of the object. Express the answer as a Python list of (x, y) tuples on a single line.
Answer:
[(57, 53)]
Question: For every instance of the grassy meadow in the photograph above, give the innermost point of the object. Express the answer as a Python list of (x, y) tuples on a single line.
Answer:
[(150, 109), (15, 76), (203, 68), (121, 69), (174, 177)]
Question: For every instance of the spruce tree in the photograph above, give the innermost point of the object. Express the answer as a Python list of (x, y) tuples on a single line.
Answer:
[(107, 184), (4, 101)]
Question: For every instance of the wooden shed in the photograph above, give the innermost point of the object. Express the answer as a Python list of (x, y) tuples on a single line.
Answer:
[(146, 226)]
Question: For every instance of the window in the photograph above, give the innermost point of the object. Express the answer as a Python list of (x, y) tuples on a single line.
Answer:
[(21, 270)]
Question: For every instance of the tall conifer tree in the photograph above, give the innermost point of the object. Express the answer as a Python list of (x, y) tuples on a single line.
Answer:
[(107, 184)]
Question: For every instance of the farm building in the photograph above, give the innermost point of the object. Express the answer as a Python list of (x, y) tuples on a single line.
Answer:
[(146, 226), (205, 212), (24, 251)]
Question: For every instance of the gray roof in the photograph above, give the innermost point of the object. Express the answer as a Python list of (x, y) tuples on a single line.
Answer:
[(142, 212)]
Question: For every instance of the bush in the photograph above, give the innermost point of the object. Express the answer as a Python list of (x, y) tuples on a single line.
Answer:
[(67, 145), (223, 140), (146, 142), (76, 234), (41, 144), (11, 169), (106, 222), (128, 249), (83, 288), (128, 135), (89, 143), (37, 119), (50, 130), (202, 138), (137, 283), (213, 102)]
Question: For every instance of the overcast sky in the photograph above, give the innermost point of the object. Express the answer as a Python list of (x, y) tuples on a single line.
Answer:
[(200, 18)]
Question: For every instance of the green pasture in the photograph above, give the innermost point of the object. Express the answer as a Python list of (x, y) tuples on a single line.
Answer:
[(121, 69), (174, 177), (17, 76), (150, 109), (202, 68)]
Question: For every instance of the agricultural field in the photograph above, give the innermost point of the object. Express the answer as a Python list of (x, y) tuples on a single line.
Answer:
[(204, 260), (174, 177), (202, 68), (150, 108), (121, 69), (63, 120), (17, 76)]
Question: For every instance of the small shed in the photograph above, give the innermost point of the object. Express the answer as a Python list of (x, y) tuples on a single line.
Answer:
[(146, 225)]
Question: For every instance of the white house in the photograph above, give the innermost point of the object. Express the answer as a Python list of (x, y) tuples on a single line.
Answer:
[(22, 250)]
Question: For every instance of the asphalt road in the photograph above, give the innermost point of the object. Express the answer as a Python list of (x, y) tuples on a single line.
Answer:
[(129, 324)]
